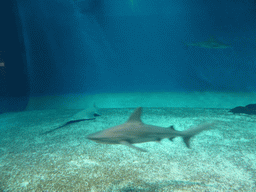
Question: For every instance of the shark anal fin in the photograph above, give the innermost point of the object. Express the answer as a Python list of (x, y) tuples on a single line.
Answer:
[(130, 145), (171, 138)]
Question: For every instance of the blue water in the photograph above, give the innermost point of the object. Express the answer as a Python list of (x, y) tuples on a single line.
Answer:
[(131, 46), (112, 46)]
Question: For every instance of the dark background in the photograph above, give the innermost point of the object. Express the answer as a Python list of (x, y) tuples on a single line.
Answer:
[(14, 85)]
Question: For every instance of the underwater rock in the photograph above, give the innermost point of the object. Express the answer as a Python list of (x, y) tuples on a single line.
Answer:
[(248, 109)]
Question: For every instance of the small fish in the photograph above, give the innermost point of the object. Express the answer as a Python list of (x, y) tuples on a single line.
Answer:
[(135, 131)]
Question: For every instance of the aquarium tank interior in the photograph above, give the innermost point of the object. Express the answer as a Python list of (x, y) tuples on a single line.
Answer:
[(127, 95)]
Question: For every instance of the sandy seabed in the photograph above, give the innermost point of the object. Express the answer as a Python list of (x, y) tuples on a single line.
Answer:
[(221, 159)]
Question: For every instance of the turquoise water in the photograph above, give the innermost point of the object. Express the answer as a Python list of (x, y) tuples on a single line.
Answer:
[(185, 63)]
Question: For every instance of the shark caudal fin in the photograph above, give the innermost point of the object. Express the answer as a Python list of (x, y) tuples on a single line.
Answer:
[(188, 134)]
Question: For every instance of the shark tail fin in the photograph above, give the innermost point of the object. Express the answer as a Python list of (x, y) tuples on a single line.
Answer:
[(188, 134)]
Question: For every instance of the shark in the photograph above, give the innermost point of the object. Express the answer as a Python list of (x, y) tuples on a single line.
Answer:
[(135, 131), (211, 43), (84, 115)]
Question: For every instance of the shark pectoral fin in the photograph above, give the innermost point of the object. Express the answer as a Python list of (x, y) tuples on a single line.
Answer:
[(130, 145), (186, 141)]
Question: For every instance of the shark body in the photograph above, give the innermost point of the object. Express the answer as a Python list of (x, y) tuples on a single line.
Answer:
[(135, 131), (211, 43)]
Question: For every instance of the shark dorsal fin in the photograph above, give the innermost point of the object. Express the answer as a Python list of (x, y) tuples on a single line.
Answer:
[(171, 127), (135, 116)]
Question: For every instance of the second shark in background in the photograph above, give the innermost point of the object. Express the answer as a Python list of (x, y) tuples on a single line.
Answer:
[(84, 115), (211, 43)]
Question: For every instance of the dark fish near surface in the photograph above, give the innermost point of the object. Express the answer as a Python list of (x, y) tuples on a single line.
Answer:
[(135, 131)]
